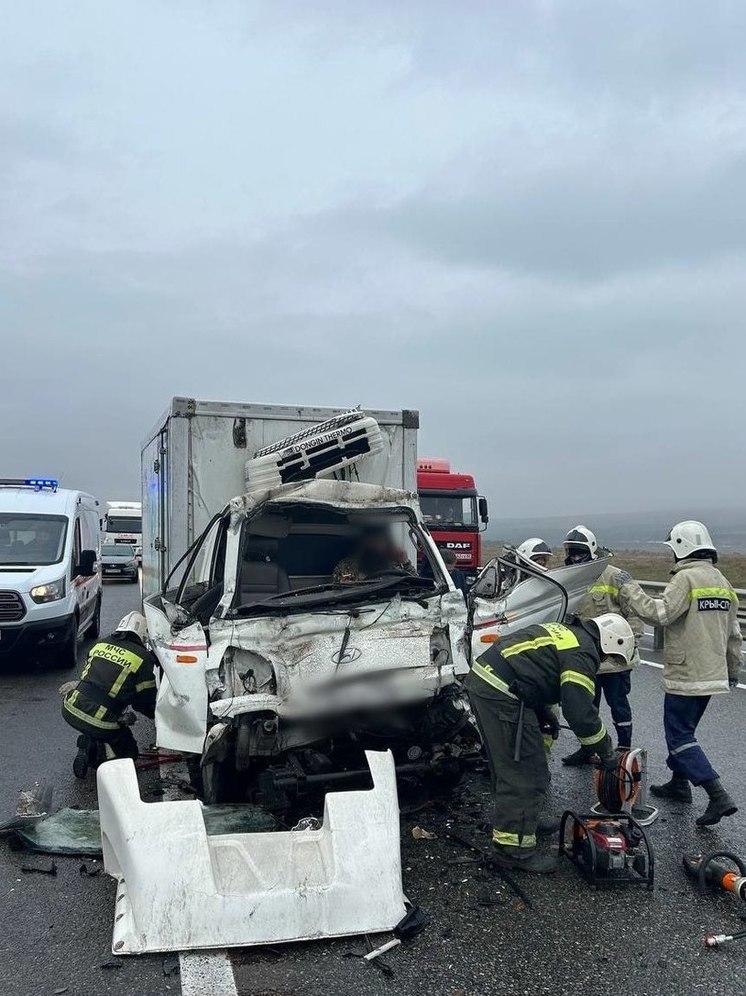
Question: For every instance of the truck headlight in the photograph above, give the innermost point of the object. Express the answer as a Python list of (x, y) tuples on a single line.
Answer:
[(51, 592)]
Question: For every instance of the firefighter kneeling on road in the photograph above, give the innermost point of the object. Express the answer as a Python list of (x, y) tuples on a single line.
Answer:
[(512, 687), (117, 674)]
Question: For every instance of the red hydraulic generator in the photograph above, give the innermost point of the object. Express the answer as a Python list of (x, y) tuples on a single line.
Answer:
[(609, 846)]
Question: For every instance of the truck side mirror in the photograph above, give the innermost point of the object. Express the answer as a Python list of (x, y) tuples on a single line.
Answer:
[(87, 566), (483, 510)]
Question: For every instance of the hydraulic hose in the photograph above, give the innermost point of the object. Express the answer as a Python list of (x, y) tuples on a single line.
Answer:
[(615, 787)]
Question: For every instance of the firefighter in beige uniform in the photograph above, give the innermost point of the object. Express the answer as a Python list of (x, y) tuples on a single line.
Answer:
[(702, 657), (614, 677)]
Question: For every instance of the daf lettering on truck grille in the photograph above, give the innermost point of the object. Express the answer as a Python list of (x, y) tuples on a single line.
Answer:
[(452, 545)]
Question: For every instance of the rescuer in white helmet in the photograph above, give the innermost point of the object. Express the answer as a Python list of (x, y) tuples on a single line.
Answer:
[(614, 678), (580, 546), (702, 657), (512, 687), (537, 551)]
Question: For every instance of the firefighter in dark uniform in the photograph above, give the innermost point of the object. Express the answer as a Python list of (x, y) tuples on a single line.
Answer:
[(512, 687), (118, 674)]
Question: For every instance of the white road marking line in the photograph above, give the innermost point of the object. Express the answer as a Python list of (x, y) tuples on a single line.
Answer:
[(206, 972), (660, 668), (202, 973)]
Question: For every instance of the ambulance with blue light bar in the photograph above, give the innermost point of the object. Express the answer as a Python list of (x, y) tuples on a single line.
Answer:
[(50, 578)]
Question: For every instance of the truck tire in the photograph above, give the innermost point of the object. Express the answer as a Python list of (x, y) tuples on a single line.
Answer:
[(66, 656), (94, 627)]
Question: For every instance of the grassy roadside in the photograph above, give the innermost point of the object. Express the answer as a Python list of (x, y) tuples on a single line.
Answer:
[(651, 566)]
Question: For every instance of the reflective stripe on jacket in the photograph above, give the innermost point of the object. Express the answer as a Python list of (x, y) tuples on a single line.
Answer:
[(702, 638), (604, 596), (544, 665), (117, 674)]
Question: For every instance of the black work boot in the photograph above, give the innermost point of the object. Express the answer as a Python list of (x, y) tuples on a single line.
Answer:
[(677, 789), (526, 860), (81, 761), (577, 759), (720, 804)]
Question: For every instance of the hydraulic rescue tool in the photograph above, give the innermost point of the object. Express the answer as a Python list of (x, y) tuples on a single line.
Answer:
[(715, 871), (609, 846), (607, 850)]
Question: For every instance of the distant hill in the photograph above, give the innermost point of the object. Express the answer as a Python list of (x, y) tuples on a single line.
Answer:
[(627, 531)]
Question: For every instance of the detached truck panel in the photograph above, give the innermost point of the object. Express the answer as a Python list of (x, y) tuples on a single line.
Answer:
[(193, 462)]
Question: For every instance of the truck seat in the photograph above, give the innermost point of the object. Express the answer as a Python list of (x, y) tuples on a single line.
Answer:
[(260, 574)]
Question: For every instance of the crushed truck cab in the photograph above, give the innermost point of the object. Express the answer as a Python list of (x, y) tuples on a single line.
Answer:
[(265, 652)]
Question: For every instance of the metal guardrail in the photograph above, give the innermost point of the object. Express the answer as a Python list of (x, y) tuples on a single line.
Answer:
[(653, 587)]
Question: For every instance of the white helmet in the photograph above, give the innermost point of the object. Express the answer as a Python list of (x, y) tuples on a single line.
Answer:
[(134, 623), (617, 638), (581, 537), (533, 548), (688, 537)]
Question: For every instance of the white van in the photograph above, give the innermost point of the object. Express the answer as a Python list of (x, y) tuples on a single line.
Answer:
[(50, 577)]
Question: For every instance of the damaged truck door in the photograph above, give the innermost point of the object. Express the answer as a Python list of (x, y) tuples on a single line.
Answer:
[(180, 642)]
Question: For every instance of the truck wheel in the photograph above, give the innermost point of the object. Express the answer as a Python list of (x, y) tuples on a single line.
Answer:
[(94, 627), (66, 657)]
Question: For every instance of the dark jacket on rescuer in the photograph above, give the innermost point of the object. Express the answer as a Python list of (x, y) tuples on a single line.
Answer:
[(548, 664), (538, 666), (117, 674)]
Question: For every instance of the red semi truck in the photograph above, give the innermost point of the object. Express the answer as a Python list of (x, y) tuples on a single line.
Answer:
[(453, 510)]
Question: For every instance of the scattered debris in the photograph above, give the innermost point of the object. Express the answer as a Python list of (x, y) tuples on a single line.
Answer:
[(111, 966), (420, 834), (77, 832), (377, 952), (90, 873), (412, 924), (63, 989), (50, 869)]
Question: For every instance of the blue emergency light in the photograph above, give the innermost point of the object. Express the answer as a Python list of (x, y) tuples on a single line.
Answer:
[(42, 483), (37, 483)]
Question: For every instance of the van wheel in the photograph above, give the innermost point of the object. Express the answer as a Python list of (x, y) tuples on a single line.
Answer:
[(94, 628), (67, 655)]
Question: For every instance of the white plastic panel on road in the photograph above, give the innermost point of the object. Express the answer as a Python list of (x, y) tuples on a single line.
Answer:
[(180, 890)]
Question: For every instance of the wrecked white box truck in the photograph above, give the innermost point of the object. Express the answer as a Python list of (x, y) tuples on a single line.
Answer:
[(277, 674)]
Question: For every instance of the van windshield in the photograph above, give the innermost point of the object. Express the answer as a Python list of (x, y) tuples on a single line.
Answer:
[(31, 540)]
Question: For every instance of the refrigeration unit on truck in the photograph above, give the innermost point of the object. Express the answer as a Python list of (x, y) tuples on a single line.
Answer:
[(50, 579), (193, 463), (123, 524), (454, 511)]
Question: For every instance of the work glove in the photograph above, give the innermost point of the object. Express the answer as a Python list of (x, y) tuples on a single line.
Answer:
[(620, 578), (550, 725)]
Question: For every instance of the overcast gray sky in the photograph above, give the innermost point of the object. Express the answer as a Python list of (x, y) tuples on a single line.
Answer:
[(526, 219)]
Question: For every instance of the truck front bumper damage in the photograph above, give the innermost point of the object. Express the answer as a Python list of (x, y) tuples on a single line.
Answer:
[(178, 889)]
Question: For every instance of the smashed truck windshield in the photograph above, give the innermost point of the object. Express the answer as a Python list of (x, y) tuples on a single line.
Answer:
[(309, 555)]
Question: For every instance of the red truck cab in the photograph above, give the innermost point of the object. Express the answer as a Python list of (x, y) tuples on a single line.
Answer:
[(454, 512)]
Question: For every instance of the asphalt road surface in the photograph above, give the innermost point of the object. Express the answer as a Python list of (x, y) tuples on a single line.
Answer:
[(56, 931)]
